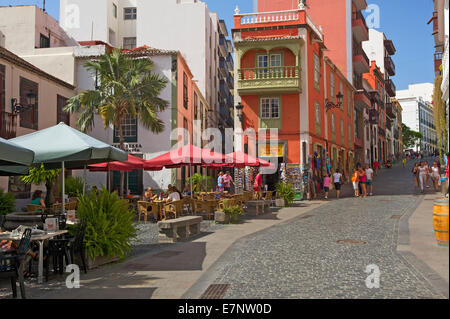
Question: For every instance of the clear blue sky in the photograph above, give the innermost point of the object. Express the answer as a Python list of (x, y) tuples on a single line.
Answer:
[(402, 22)]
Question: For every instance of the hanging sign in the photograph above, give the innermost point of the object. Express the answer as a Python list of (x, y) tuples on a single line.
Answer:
[(273, 151)]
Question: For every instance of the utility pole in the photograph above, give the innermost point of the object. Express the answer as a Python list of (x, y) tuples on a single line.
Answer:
[(43, 5)]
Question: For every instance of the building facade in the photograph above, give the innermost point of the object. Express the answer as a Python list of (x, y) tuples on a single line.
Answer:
[(344, 29), (188, 113), (380, 50), (189, 27), (418, 114), (42, 97), (440, 20), (284, 82)]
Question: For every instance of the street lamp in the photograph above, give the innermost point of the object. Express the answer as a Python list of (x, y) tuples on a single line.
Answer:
[(330, 105), (17, 108), (239, 111)]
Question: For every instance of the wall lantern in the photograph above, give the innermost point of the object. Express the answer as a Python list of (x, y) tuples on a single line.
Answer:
[(330, 105), (17, 108), (239, 111)]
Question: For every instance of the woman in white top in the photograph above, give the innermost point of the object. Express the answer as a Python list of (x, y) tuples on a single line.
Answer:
[(423, 173), (337, 182), (435, 175)]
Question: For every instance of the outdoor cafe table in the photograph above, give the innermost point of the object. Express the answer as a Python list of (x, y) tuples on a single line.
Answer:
[(40, 239)]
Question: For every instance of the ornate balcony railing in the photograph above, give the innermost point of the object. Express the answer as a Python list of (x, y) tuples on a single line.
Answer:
[(389, 65), (270, 78), (390, 87), (289, 17)]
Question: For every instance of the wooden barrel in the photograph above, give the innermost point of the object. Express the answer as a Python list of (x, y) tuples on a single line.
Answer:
[(440, 221)]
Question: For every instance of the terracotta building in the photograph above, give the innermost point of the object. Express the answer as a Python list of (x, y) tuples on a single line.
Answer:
[(285, 82)]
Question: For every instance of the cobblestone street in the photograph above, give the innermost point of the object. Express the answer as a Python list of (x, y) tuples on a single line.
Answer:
[(303, 259)]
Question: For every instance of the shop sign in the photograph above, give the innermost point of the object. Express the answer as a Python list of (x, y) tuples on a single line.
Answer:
[(273, 151), (130, 148)]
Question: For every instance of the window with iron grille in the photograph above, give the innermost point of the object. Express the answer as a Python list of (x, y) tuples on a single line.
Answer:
[(129, 130), (130, 13), (185, 90), (341, 90), (61, 115), (29, 117)]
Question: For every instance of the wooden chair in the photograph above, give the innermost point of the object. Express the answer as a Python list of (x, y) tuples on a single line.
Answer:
[(35, 208), (173, 208), (57, 207), (71, 205), (200, 206), (269, 195), (188, 205), (143, 210)]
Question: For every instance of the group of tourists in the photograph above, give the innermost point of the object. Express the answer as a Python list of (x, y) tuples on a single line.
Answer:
[(423, 173), (362, 181)]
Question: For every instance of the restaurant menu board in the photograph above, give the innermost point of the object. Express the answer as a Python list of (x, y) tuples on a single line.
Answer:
[(294, 175)]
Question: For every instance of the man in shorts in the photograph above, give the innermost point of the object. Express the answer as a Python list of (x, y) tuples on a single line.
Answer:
[(369, 174), (337, 182)]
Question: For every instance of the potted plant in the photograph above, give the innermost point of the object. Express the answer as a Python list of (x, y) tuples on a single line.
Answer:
[(200, 183), (233, 214), (285, 194), (73, 187), (7, 205), (109, 227)]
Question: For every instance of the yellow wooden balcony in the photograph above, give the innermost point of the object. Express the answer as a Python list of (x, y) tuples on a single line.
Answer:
[(269, 79)]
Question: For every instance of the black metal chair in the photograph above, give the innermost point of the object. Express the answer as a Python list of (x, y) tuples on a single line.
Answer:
[(12, 264), (66, 249)]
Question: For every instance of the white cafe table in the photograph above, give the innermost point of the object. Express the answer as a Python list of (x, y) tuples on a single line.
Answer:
[(40, 238)]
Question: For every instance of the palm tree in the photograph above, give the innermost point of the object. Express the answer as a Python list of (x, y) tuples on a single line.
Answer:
[(127, 88)]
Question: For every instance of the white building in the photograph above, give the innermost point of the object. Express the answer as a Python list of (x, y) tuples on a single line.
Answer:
[(418, 113), (183, 25), (380, 49), (66, 60)]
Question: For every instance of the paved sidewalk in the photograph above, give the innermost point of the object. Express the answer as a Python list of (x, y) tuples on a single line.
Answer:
[(305, 259), (166, 271), (417, 244)]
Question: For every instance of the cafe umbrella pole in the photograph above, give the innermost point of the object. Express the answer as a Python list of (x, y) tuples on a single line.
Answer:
[(84, 181), (63, 188)]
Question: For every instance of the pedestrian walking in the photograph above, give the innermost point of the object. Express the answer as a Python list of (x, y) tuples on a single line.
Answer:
[(363, 181), (415, 172), (376, 166), (257, 187), (435, 176), (423, 173), (337, 177), (369, 174), (355, 181), (326, 185), (220, 184), (227, 181), (404, 160)]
